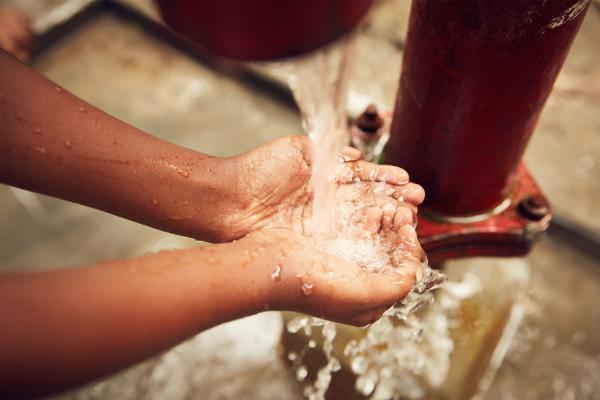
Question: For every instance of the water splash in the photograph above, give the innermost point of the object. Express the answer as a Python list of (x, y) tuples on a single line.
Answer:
[(400, 355), (276, 274), (319, 86), (307, 288)]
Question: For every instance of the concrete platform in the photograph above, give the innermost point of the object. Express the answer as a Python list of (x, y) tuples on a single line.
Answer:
[(118, 68)]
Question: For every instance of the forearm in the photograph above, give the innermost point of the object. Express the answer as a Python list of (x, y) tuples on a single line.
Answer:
[(70, 326), (54, 143)]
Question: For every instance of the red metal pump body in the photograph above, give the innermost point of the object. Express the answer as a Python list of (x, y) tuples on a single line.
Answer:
[(252, 30), (475, 77)]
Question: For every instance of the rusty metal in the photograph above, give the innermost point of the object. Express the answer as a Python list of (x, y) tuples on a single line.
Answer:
[(534, 207), (370, 121), (506, 234)]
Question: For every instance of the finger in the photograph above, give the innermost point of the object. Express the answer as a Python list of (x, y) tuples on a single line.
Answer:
[(406, 266), (362, 191), (403, 216), (408, 235), (373, 219), (410, 192), (366, 171), (387, 288), (389, 207), (411, 253), (353, 193), (350, 154)]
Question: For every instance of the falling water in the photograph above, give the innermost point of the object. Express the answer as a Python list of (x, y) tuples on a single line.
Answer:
[(319, 85)]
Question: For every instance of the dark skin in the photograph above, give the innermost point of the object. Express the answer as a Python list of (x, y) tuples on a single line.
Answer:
[(16, 36), (123, 311)]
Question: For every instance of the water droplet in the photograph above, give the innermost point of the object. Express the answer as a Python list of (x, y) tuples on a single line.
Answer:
[(183, 173), (312, 344), (68, 143), (296, 324), (365, 384), (40, 149), (301, 373), (82, 109), (276, 274), (37, 131), (359, 365), (307, 288), (57, 89), (154, 201), (292, 356)]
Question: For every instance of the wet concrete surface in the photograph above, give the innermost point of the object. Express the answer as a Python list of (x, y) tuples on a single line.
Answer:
[(556, 352), (118, 68)]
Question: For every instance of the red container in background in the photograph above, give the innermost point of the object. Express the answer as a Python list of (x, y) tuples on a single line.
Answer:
[(262, 29), (475, 77)]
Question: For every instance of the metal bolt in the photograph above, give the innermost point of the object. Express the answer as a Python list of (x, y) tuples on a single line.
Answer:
[(534, 207), (369, 121)]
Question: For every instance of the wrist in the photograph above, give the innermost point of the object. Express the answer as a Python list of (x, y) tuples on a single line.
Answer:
[(216, 201), (271, 264), (261, 271), (196, 196)]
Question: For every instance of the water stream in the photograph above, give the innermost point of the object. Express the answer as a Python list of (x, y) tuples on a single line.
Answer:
[(319, 83)]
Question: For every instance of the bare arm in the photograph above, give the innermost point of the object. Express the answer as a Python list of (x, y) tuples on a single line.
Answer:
[(70, 326), (54, 143)]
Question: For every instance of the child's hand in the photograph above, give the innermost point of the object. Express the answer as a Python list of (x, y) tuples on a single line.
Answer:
[(273, 190), (305, 279)]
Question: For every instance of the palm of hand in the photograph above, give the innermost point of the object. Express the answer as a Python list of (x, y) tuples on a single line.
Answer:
[(275, 186), (371, 200)]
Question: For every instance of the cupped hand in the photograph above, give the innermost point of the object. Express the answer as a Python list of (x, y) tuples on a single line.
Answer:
[(274, 190), (308, 280)]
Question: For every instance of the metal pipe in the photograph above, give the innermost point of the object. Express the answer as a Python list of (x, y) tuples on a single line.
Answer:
[(475, 77)]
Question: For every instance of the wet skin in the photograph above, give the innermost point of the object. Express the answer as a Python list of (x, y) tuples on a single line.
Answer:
[(123, 311)]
